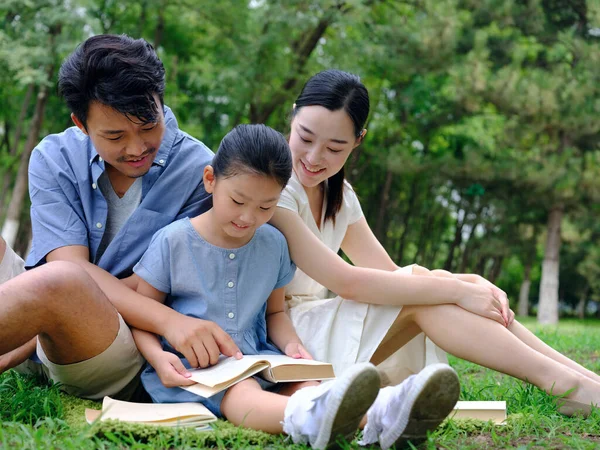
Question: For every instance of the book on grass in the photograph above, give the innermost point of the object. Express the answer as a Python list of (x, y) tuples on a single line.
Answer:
[(163, 414), (275, 368), (494, 411)]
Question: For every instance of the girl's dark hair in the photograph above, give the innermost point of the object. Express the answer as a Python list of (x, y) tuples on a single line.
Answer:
[(117, 71), (254, 149), (335, 90)]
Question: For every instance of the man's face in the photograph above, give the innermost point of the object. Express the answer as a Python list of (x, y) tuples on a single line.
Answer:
[(129, 147)]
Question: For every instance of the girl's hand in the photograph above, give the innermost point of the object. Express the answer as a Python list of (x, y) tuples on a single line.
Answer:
[(171, 370), (481, 300), (297, 351)]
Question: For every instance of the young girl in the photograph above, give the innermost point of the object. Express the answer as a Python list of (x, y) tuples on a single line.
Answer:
[(465, 315), (227, 266)]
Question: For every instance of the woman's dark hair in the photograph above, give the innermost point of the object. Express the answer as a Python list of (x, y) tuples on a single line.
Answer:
[(335, 90), (254, 149), (117, 71)]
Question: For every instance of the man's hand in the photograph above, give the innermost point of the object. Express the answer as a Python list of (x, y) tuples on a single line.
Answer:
[(171, 371), (200, 341), (297, 351)]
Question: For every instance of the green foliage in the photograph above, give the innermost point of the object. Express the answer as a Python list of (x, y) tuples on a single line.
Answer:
[(484, 114)]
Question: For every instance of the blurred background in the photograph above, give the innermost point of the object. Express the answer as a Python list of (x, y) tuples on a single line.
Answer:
[(483, 150)]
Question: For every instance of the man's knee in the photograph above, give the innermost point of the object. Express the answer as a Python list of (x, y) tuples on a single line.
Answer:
[(59, 280)]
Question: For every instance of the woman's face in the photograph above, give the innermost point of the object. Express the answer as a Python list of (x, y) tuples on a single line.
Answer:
[(321, 141)]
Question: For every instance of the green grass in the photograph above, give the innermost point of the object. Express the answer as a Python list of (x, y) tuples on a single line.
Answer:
[(36, 416)]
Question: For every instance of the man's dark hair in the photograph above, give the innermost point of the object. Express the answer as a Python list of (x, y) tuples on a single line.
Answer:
[(117, 71), (254, 149)]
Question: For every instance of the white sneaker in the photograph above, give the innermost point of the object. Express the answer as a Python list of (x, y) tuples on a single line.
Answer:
[(417, 405), (321, 414)]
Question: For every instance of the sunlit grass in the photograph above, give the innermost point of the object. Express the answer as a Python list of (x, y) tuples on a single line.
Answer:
[(35, 416)]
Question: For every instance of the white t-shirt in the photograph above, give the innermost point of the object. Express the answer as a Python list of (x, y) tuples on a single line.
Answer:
[(295, 199)]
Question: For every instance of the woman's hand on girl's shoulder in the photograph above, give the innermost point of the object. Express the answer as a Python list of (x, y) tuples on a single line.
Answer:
[(171, 371), (297, 351)]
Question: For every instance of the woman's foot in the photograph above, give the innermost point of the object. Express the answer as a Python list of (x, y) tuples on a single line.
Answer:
[(406, 412), (572, 408), (320, 415)]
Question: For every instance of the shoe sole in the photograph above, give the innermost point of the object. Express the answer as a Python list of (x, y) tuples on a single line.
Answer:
[(433, 396), (348, 403)]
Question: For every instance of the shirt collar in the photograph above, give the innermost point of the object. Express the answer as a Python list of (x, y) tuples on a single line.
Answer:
[(171, 129)]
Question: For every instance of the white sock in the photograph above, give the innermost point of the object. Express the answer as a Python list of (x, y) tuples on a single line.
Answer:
[(302, 414), (382, 414)]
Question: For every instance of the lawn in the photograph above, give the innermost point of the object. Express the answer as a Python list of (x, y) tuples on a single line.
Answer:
[(35, 416)]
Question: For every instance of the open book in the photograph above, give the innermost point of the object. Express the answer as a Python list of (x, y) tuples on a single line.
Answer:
[(494, 411), (274, 368), (164, 414)]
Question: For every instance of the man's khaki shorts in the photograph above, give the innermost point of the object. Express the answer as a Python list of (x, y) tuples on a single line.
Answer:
[(113, 372)]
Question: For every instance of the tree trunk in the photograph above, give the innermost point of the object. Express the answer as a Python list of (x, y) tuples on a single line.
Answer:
[(548, 301), (406, 221), (581, 306), (383, 204), (11, 225), (160, 27), (18, 131), (523, 308), (457, 239), (496, 269)]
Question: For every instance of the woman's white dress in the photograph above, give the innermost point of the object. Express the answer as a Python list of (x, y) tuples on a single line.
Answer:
[(343, 331)]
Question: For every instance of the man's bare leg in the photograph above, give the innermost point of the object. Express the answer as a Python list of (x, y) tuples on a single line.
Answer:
[(60, 303)]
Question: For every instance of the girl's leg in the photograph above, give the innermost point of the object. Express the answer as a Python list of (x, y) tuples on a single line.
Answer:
[(246, 404), (317, 414), (489, 344)]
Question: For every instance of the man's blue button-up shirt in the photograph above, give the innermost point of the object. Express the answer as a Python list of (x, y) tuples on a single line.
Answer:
[(68, 208)]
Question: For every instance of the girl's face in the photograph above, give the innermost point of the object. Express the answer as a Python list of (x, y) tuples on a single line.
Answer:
[(241, 204), (321, 141)]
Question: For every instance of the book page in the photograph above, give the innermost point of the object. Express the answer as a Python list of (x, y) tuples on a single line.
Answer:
[(154, 412), (228, 368)]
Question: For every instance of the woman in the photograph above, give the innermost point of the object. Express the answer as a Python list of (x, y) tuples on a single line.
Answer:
[(464, 315)]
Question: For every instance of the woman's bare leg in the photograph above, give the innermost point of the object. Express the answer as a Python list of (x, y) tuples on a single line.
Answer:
[(489, 344), (527, 336), (537, 344)]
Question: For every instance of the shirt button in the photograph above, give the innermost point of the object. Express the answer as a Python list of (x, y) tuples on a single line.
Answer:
[(161, 161), (98, 225), (231, 284), (100, 159), (231, 315), (232, 256), (94, 186)]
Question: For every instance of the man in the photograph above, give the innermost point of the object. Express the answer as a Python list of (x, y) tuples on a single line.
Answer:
[(99, 191)]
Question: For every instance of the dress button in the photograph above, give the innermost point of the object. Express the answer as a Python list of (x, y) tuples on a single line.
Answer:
[(94, 186), (161, 161), (98, 225), (232, 256), (231, 284), (231, 315)]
